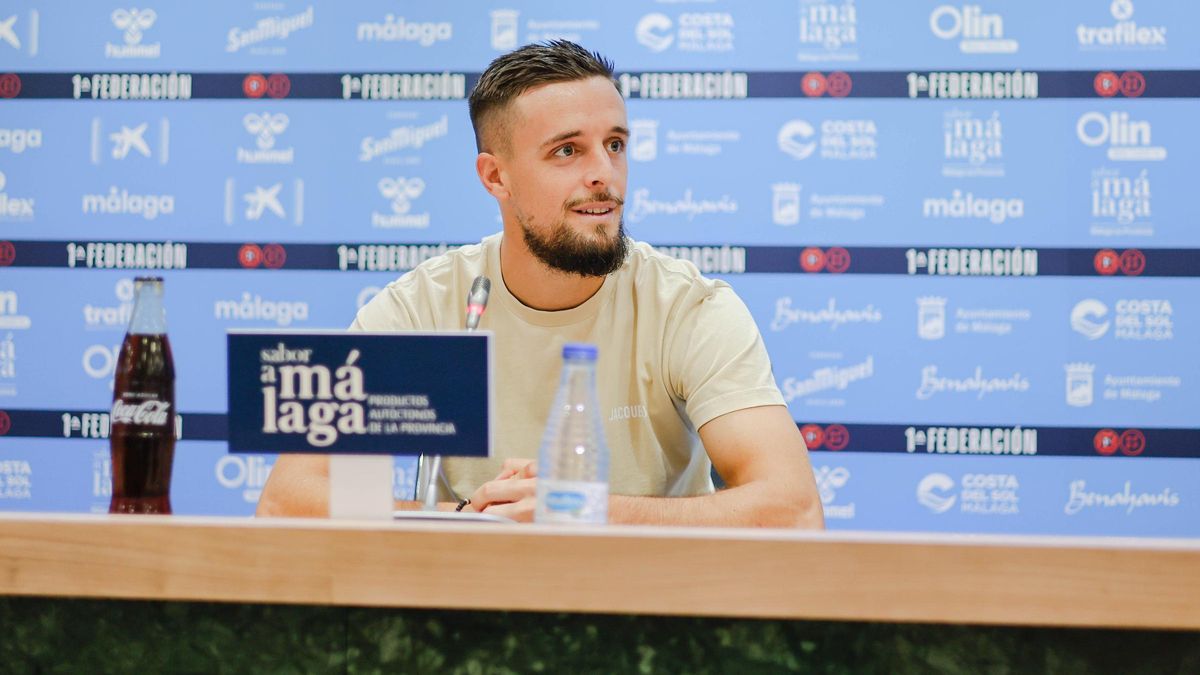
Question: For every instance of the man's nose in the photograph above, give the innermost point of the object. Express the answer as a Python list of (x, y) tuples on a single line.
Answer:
[(599, 170)]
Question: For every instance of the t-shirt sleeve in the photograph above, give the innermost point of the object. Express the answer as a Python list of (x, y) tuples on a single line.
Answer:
[(719, 363), (388, 310)]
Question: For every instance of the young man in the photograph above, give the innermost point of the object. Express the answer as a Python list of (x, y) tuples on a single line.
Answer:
[(679, 355)]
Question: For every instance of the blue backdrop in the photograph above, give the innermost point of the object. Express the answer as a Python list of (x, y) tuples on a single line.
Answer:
[(965, 229)]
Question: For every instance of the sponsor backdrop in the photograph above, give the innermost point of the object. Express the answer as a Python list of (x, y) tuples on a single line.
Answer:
[(964, 228)]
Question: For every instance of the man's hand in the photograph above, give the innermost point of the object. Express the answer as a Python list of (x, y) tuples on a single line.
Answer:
[(512, 493)]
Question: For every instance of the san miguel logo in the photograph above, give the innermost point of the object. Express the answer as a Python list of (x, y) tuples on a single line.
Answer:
[(834, 260), (1130, 84), (834, 437), (837, 84), (1130, 262), (1131, 442)]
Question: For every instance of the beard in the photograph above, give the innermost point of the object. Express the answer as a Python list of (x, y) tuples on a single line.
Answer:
[(565, 250)]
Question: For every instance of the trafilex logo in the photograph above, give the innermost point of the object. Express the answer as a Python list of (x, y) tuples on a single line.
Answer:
[(1125, 34), (12, 207), (111, 317), (977, 31), (133, 22), (1128, 139)]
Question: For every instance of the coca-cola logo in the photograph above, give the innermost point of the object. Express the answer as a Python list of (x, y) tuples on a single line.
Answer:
[(151, 413)]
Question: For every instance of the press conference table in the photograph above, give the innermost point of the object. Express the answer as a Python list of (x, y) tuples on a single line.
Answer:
[(843, 576)]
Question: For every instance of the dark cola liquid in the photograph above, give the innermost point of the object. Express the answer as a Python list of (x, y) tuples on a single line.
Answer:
[(142, 437)]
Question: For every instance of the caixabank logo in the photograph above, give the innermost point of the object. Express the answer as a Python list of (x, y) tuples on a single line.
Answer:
[(1131, 262), (1130, 442)]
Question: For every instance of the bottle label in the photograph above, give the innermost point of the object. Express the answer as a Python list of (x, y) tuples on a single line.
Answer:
[(569, 501), (148, 413)]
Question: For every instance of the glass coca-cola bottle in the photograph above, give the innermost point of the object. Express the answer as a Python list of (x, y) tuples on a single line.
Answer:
[(142, 435)]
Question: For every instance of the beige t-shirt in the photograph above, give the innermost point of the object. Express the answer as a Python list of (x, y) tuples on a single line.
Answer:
[(675, 351)]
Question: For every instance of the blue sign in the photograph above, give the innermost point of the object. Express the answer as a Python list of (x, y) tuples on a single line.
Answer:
[(360, 393)]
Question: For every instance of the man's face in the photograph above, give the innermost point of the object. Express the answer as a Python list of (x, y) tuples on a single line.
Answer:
[(566, 170)]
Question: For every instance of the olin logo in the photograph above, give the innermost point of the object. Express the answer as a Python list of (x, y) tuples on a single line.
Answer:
[(1128, 139), (980, 33)]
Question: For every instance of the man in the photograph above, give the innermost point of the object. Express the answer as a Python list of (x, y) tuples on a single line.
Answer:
[(678, 354)]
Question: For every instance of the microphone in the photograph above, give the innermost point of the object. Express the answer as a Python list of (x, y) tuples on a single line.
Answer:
[(477, 300)]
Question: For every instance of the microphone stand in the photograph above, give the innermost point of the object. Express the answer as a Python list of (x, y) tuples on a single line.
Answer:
[(429, 467)]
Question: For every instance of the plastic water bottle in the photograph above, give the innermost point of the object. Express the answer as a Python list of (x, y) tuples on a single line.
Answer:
[(573, 462)]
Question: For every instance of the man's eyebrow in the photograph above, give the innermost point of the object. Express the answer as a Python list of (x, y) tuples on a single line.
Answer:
[(567, 135), (562, 137)]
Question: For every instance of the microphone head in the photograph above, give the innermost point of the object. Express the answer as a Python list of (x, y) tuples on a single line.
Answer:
[(481, 285)]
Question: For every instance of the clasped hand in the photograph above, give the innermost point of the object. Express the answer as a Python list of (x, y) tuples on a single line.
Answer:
[(511, 494)]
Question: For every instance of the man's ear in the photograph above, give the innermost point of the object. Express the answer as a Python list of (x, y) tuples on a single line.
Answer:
[(492, 175)]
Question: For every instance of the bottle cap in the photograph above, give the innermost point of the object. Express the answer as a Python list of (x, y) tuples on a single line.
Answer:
[(579, 350)]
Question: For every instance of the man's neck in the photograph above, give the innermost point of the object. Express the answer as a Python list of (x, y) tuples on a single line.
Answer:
[(537, 285)]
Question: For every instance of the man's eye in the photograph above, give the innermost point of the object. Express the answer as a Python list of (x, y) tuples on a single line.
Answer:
[(565, 151), (616, 145)]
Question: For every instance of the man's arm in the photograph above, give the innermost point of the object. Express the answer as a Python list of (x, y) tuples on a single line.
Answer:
[(761, 456), (758, 451), (299, 486)]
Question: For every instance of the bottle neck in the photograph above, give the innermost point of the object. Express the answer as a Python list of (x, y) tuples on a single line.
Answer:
[(149, 315)]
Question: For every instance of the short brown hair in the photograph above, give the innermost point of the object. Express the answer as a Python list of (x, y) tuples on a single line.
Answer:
[(516, 72)]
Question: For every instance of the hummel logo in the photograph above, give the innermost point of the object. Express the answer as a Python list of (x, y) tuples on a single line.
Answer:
[(264, 126), (129, 139), (263, 199), (133, 22), (401, 191)]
